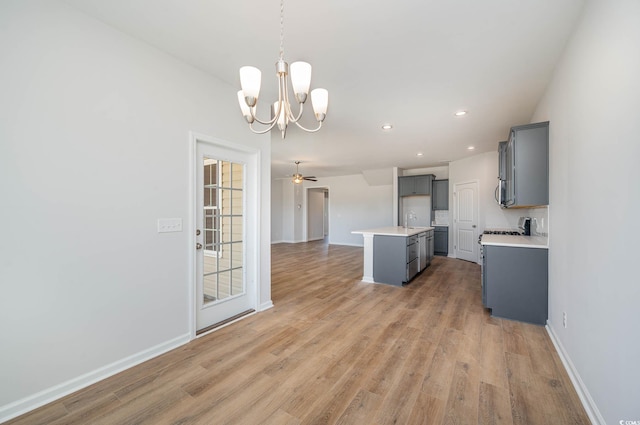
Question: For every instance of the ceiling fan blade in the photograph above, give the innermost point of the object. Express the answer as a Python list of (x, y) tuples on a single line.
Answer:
[(311, 178)]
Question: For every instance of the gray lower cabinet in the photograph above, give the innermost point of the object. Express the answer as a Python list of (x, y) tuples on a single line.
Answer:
[(430, 246), (396, 259), (515, 283), (441, 240)]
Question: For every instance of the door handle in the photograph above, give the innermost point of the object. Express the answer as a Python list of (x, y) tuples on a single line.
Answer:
[(473, 225), (198, 245)]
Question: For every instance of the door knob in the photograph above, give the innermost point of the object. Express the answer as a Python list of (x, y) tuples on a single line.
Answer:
[(198, 245), (197, 232), (473, 225)]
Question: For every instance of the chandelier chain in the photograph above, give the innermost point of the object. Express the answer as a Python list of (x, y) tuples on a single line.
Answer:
[(281, 29)]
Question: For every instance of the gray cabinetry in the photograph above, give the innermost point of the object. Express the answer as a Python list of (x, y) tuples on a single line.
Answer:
[(515, 283), (430, 246), (426, 249), (440, 195), (502, 160), (525, 158), (415, 185), (441, 240), (397, 259)]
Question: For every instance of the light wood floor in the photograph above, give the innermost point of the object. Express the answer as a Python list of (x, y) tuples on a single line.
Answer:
[(336, 350)]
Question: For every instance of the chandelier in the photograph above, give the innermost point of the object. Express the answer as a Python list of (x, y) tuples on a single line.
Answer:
[(281, 112)]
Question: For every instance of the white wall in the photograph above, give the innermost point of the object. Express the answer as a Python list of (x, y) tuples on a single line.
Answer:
[(277, 202), (94, 148), (315, 214), (441, 173), (593, 105), (354, 205), (290, 212)]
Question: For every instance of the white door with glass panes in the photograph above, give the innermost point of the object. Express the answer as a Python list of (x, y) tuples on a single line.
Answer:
[(225, 234)]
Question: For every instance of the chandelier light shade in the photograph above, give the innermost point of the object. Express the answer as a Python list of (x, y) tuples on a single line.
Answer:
[(281, 112)]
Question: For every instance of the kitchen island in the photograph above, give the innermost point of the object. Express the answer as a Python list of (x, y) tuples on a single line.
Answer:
[(394, 255)]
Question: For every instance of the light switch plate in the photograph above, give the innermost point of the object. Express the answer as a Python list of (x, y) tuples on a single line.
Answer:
[(166, 225)]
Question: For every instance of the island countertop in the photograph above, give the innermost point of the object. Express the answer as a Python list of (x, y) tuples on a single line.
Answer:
[(393, 231)]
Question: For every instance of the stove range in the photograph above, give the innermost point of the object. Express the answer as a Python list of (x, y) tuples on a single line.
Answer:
[(498, 232), (502, 232)]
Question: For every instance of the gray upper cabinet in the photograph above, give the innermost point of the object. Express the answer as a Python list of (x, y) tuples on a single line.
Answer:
[(440, 195), (415, 185), (502, 164), (526, 166)]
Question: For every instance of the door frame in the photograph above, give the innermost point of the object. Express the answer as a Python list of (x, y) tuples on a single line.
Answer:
[(325, 210), (253, 231)]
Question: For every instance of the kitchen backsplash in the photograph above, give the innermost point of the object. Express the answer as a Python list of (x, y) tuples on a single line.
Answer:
[(507, 219), (441, 218), (539, 221)]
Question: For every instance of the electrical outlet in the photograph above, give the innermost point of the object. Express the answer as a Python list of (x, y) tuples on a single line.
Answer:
[(564, 319)]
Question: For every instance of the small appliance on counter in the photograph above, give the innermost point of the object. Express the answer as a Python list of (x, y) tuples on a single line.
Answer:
[(524, 224)]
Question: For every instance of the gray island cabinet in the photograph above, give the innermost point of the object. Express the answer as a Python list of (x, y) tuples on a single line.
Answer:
[(394, 255)]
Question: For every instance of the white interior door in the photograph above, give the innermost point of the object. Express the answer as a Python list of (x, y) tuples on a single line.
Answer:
[(226, 220), (465, 196)]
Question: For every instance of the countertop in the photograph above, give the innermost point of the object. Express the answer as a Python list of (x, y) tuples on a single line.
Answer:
[(516, 241), (393, 231)]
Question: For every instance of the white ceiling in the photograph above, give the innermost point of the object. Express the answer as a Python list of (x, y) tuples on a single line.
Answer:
[(412, 63)]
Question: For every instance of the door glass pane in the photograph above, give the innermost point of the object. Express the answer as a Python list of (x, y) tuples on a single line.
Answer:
[(223, 218)]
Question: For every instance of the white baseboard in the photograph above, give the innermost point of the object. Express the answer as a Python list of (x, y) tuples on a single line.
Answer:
[(266, 305), (347, 244), (41, 398), (587, 402), (275, 242)]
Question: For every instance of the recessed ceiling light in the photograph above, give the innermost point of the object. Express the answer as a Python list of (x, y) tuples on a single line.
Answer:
[(461, 113), (471, 148), (419, 154), (387, 126)]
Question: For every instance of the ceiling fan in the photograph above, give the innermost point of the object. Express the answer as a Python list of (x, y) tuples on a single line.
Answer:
[(298, 178)]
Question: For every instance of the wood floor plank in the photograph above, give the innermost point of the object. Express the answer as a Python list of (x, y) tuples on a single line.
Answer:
[(399, 401), (439, 376), (334, 349), (361, 410), (89, 414), (492, 363), (462, 402), (427, 410), (526, 401), (494, 406)]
